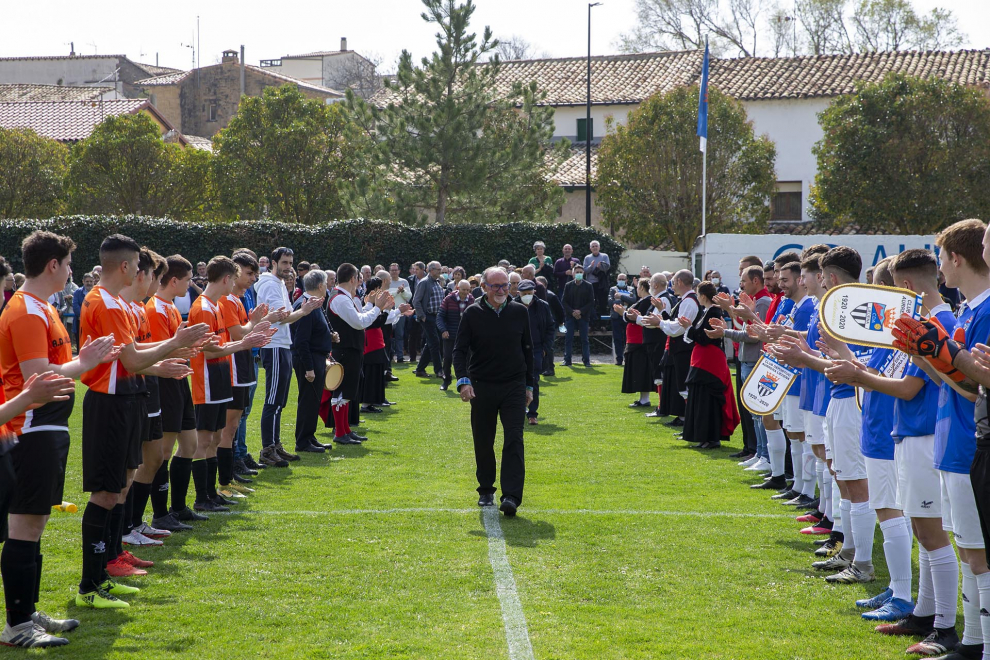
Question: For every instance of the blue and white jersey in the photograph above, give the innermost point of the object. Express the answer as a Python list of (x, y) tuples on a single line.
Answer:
[(809, 377), (798, 319), (878, 413), (955, 427), (916, 417)]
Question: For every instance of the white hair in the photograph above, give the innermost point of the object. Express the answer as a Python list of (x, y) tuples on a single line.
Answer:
[(313, 279)]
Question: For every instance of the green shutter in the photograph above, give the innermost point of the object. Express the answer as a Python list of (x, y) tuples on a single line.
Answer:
[(582, 135)]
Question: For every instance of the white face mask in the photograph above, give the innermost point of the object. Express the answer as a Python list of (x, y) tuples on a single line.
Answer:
[(716, 281), (528, 298)]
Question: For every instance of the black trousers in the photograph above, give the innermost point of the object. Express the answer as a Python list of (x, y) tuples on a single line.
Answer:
[(277, 363), (493, 402), (618, 339), (745, 417), (448, 355), (310, 396), (414, 337), (432, 351)]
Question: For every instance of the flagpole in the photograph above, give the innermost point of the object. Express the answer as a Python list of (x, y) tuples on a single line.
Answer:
[(703, 135), (704, 207)]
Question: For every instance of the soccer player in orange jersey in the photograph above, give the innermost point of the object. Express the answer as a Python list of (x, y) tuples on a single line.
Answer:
[(113, 411), (34, 344), (212, 378)]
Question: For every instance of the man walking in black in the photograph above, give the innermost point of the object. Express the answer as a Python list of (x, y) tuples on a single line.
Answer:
[(498, 382)]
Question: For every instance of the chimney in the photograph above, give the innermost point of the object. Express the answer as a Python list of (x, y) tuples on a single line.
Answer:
[(242, 69), (343, 44), (229, 56), (72, 49)]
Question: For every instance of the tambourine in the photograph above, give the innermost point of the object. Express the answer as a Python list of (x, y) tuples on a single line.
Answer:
[(335, 375)]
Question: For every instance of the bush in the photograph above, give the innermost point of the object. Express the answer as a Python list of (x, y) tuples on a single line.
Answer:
[(358, 241)]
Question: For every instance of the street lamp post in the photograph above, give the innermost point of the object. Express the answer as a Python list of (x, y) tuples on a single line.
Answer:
[(587, 131)]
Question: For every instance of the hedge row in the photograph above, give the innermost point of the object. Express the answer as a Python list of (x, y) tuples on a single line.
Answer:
[(358, 241)]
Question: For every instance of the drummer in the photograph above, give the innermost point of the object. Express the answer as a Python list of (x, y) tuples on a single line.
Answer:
[(312, 341)]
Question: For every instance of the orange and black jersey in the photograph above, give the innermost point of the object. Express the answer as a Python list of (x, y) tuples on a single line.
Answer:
[(241, 362), (209, 375), (104, 314), (163, 317), (31, 329)]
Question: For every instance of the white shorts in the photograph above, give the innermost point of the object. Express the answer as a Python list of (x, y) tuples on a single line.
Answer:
[(793, 420), (959, 514), (881, 479), (844, 422), (814, 432), (919, 488)]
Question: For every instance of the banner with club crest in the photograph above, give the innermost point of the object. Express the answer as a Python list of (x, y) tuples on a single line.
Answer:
[(766, 385), (864, 314), (893, 367)]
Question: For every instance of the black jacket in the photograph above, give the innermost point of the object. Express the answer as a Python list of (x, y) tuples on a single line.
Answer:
[(310, 337), (500, 344), (555, 307), (578, 296), (541, 325)]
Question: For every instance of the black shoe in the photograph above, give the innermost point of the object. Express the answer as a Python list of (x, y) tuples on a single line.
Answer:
[(800, 500), (444, 385), (548, 373), (317, 443), (784, 495), (586, 364), (187, 515), (509, 506), (346, 440), (710, 445), (677, 421), (312, 449), (655, 414), (220, 500), (813, 504), (391, 403), (210, 506), (741, 455), (370, 409), (252, 464), (773, 483), (639, 404), (391, 378), (355, 436), (912, 626), (170, 523), (939, 642), (242, 480), (241, 468), (565, 364), (421, 374), (486, 499)]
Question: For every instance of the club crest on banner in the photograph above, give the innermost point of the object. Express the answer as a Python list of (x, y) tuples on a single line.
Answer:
[(766, 385), (865, 314)]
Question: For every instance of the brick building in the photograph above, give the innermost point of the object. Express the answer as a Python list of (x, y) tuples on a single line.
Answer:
[(203, 101)]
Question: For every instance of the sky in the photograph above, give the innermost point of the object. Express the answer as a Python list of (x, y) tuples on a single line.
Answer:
[(381, 28)]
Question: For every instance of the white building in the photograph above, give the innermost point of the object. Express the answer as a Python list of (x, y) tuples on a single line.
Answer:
[(337, 69), (73, 70)]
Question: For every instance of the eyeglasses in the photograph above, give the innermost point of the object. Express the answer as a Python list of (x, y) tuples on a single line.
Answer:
[(499, 287)]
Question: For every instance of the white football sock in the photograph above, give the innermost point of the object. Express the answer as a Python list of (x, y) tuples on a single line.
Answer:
[(810, 471), (983, 584), (797, 463), (945, 582), (972, 631), (863, 522), (825, 504), (897, 551), (849, 542), (777, 446), (926, 591)]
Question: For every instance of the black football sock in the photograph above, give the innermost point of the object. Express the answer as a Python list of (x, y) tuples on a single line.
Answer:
[(225, 465), (37, 580), (140, 492), (179, 475), (199, 480), (94, 524), (211, 476), (115, 530), (159, 492), (129, 511), (18, 567)]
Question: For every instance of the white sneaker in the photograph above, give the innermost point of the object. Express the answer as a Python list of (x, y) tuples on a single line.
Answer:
[(151, 532), (135, 537), (749, 461), (52, 625), (29, 635), (762, 465)]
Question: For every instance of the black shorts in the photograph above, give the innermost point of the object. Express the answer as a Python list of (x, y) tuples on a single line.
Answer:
[(211, 416), (7, 482), (156, 428), (177, 405), (111, 439), (39, 461), (240, 398)]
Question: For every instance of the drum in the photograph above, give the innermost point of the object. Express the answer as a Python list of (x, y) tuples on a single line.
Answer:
[(335, 375)]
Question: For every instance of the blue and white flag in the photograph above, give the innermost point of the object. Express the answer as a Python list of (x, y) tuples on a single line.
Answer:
[(703, 102)]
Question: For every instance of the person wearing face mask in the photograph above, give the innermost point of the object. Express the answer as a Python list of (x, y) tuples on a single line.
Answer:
[(621, 295), (448, 319), (579, 306), (720, 287), (542, 329)]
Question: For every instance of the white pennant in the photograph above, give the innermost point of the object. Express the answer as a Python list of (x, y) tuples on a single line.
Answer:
[(864, 314), (764, 389)]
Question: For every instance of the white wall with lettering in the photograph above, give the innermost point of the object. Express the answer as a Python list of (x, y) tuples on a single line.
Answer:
[(725, 250)]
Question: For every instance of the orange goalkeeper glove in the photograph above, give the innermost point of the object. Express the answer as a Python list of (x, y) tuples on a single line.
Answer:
[(928, 338)]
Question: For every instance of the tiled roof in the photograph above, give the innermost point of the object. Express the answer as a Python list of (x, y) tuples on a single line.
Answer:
[(65, 121), (24, 92), (64, 57), (175, 78), (197, 142), (571, 171), (319, 53), (814, 228), (155, 70), (832, 75)]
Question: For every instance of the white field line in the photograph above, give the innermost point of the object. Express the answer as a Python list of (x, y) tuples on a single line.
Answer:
[(563, 512), (516, 632)]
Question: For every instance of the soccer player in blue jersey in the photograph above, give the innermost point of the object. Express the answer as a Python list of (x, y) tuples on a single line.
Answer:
[(842, 265), (965, 247)]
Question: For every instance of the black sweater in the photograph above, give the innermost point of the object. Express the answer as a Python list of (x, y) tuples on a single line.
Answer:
[(500, 344), (310, 336), (578, 296)]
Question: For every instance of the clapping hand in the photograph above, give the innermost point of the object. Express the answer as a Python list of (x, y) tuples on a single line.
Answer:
[(277, 316), (844, 372), (259, 313), (97, 352), (47, 386), (684, 322), (311, 304), (618, 309), (723, 301), (718, 328)]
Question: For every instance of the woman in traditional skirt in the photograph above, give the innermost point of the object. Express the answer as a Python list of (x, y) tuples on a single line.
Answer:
[(637, 369), (375, 357), (711, 413)]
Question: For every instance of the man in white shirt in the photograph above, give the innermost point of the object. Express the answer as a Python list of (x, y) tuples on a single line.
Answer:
[(276, 358)]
